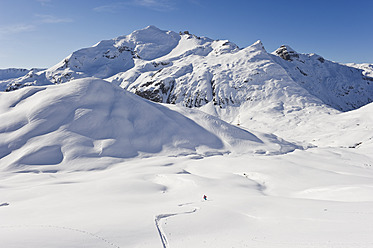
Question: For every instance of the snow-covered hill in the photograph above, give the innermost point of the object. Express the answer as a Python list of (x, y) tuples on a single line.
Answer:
[(53, 125), (353, 129)]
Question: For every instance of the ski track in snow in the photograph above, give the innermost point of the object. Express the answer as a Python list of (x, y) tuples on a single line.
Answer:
[(159, 217), (66, 228)]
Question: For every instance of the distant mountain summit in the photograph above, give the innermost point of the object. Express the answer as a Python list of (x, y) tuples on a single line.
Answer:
[(215, 75)]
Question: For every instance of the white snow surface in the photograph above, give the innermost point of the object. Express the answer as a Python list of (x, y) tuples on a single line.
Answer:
[(367, 68), (53, 125), (88, 164)]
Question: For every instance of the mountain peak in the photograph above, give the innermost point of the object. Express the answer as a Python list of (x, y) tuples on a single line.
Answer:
[(258, 45), (152, 27), (286, 52)]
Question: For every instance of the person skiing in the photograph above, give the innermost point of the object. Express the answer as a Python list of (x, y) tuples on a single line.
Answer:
[(205, 197)]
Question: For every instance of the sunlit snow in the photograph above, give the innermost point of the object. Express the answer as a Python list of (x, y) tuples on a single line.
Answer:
[(84, 162)]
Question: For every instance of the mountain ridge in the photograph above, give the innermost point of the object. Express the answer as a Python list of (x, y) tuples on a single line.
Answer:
[(184, 69)]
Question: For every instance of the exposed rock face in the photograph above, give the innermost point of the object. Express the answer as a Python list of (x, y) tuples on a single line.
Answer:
[(286, 53)]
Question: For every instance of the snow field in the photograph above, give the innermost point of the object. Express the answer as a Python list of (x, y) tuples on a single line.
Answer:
[(253, 201), (80, 168), (52, 126)]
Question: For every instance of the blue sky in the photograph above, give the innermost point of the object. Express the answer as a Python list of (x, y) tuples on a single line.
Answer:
[(40, 33)]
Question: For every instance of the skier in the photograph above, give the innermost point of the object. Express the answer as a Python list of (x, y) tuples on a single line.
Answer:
[(205, 197)]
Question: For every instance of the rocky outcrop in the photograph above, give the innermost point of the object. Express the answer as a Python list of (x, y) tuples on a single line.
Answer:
[(286, 53)]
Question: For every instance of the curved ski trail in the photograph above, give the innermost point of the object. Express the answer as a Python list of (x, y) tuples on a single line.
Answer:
[(161, 233)]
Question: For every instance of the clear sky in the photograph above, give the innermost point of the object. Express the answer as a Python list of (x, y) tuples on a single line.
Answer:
[(40, 33)]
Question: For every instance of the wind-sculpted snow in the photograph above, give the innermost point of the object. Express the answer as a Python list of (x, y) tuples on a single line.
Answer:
[(90, 117), (53, 125)]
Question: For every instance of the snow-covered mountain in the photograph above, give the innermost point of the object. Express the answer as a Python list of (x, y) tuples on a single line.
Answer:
[(11, 73), (340, 86), (245, 86), (86, 162), (167, 67), (12, 76)]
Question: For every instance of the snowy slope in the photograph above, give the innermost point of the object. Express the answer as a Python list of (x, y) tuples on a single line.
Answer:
[(353, 129), (367, 68), (66, 183), (314, 198), (53, 125), (340, 86)]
